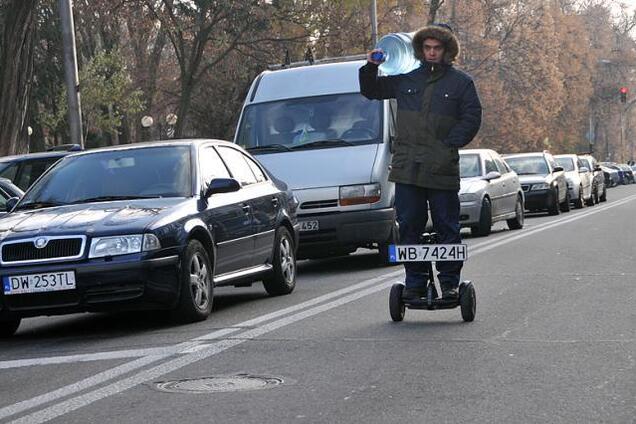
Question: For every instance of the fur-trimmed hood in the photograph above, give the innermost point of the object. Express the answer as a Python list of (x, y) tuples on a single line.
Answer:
[(440, 33)]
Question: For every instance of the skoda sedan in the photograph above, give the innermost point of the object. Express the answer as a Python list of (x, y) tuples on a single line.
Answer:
[(146, 226)]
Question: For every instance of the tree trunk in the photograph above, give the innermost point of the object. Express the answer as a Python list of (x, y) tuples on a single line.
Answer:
[(432, 11), (16, 71)]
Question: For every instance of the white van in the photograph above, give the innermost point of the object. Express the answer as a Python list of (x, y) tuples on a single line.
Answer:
[(311, 128)]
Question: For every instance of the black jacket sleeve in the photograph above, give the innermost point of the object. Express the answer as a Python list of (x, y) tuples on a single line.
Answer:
[(374, 87), (469, 118)]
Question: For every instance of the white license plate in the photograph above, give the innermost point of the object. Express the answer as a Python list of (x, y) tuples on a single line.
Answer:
[(38, 283), (428, 252), (309, 226)]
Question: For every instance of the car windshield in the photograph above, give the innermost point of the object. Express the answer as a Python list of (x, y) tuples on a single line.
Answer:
[(566, 163), (341, 120), (112, 175), (528, 165), (469, 166)]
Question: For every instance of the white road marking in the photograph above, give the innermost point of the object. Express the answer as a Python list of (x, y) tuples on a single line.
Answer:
[(80, 401)]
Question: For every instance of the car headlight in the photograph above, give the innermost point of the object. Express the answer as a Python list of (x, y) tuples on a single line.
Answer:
[(541, 186), (123, 245), (468, 197), (359, 194)]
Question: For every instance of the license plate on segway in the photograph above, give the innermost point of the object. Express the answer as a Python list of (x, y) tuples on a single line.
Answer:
[(428, 252)]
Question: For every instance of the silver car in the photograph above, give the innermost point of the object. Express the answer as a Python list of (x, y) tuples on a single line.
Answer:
[(579, 179), (490, 192)]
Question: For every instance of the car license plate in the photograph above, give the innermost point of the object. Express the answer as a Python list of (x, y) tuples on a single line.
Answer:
[(309, 226), (39, 283), (428, 252)]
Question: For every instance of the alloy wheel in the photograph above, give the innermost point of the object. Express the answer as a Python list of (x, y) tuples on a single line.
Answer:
[(199, 281)]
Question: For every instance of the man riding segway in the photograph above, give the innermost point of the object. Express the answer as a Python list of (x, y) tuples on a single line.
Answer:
[(438, 112)]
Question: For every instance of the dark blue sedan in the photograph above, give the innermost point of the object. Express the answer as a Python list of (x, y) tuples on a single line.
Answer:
[(146, 226)]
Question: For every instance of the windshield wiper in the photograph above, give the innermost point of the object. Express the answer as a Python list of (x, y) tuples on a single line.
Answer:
[(274, 147), (324, 143), (110, 198), (38, 205)]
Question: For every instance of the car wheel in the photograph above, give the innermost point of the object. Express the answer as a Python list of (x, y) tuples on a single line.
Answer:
[(590, 200), (565, 206), (282, 279), (603, 197), (195, 275), (485, 220), (553, 209), (578, 203), (595, 196), (383, 248), (516, 223), (9, 327)]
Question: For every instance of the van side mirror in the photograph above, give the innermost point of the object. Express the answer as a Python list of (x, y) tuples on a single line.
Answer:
[(221, 185), (583, 170), (492, 175), (11, 202), (557, 169)]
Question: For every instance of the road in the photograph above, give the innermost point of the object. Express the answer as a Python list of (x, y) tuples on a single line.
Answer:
[(553, 341)]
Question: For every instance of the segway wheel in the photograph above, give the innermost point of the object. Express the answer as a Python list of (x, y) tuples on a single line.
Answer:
[(396, 305), (468, 302)]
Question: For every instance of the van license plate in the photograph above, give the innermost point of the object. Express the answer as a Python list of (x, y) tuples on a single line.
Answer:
[(38, 283), (309, 226), (428, 252)]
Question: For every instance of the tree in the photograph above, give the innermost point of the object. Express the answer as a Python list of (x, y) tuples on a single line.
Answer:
[(16, 70)]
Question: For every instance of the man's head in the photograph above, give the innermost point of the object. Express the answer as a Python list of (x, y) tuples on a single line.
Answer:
[(436, 43)]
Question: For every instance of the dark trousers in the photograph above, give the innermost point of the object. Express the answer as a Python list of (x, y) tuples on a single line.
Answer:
[(412, 214)]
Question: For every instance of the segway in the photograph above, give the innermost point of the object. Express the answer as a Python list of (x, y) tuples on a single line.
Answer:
[(430, 251)]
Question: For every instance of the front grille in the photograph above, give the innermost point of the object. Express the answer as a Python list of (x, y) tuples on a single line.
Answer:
[(25, 251), (525, 187), (319, 204)]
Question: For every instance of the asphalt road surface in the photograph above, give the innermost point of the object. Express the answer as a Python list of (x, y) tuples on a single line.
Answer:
[(553, 341)]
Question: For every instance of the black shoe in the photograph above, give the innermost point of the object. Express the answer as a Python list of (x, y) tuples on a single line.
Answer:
[(414, 293), (450, 291)]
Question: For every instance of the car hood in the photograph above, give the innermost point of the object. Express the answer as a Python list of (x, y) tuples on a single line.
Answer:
[(322, 167), (532, 179), (118, 217), (471, 185)]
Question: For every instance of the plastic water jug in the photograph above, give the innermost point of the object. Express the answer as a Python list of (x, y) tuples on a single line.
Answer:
[(398, 52)]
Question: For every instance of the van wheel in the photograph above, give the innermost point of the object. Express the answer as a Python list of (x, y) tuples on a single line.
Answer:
[(485, 220), (195, 278), (282, 279), (383, 248), (9, 327)]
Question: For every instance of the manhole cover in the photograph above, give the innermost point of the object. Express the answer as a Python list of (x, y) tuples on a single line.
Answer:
[(233, 383)]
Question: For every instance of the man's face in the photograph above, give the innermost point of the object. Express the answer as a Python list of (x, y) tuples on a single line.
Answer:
[(433, 50)]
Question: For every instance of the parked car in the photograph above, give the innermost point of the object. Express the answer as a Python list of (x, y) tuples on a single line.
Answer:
[(23, 170), (490, 192), (628, 173), (311, 127), (599, 185), (542, 181), (612, 178), (621, 173), (149, 225), (8, 190), (579, 179)]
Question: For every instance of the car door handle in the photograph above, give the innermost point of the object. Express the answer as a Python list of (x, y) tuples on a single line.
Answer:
[(246, 208), (275, 202)]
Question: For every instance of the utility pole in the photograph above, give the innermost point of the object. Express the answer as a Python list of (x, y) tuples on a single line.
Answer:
[(374, 23), (70, 72)]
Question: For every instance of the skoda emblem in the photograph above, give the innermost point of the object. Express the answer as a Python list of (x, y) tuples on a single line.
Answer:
[(40, 242)]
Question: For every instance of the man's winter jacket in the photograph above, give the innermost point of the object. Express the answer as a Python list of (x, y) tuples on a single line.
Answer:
[(438, 112)]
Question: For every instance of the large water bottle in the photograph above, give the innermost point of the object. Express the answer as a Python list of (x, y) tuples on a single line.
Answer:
[(398, 53)]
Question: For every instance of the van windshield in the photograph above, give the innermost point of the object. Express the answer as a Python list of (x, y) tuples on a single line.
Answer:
[(310, 122)]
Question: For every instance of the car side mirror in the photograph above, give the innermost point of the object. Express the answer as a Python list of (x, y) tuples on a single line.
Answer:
[(221, 185), (557, 169), (11, 202), (598, 168), (583, 169), (492, 175)]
